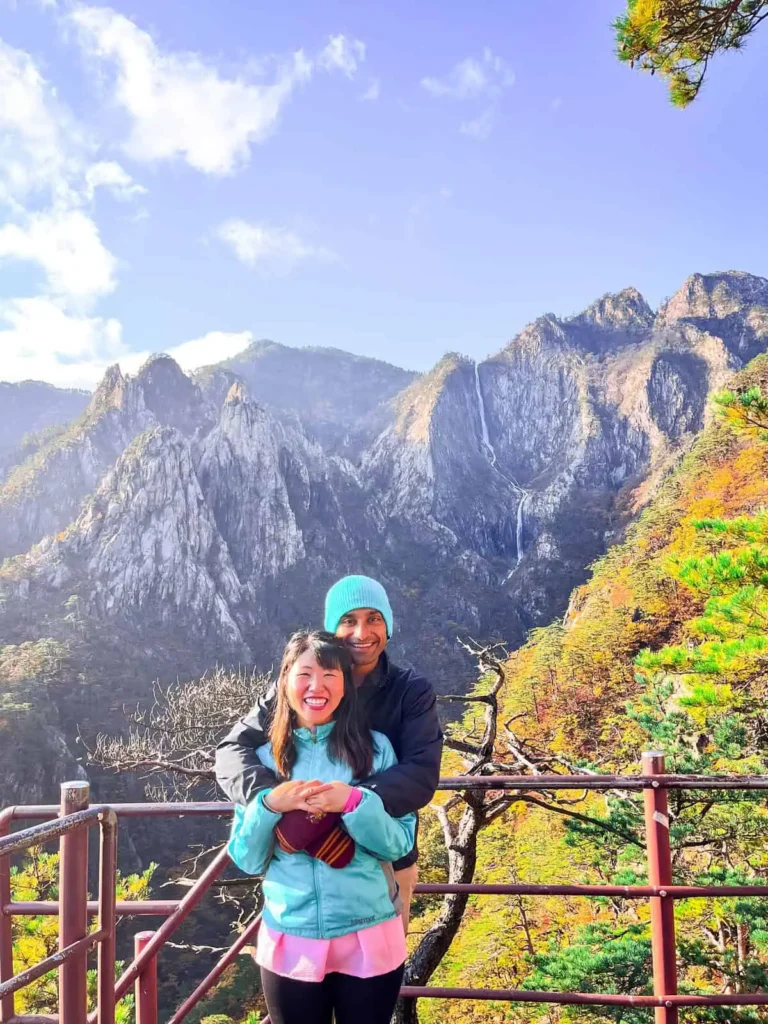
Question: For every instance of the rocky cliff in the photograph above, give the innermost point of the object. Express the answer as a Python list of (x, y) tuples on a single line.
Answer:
[(180, 521)]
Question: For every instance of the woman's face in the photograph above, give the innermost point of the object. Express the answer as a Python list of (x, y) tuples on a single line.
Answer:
[(314, 692)]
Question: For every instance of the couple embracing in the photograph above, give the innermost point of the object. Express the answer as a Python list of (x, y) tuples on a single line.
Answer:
[(328, 772)]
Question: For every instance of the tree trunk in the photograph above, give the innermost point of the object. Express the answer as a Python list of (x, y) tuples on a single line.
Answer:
[(462, 857)]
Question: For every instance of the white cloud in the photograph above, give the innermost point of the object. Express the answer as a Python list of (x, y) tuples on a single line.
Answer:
[(180, 105), (67, 246), (111, 176), (41, 341), (487, 76), (272, 248), (211, 348), (373, 91), (39, 141), (342, 54), (479, 127)]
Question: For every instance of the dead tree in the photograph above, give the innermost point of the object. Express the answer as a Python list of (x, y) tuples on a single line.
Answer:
[(172, 743)]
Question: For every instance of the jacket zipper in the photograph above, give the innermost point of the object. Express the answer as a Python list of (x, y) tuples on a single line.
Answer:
[(318, 896)]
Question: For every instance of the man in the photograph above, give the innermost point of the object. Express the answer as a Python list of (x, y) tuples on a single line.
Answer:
[(398, 702)]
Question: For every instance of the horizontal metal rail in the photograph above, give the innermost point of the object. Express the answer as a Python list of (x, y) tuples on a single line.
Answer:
[(51, 963), (33, 1018), (123, 908), (17, 842), (523, 783), (629, 892), (510, 995)]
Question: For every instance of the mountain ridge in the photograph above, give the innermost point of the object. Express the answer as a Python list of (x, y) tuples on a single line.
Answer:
[(479, 493)]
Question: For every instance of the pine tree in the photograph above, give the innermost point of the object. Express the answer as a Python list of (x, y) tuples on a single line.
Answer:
[(678, 38)]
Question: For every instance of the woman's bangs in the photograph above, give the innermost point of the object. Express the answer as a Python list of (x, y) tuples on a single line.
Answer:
[(332, 657)]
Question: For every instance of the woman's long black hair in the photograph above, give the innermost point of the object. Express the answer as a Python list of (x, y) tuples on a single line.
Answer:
[(350, 740)]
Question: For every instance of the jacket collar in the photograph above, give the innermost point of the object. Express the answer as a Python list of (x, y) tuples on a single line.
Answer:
[(320, 732), (380, 675)]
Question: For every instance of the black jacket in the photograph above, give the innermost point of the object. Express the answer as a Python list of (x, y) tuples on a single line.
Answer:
[(398, 702)]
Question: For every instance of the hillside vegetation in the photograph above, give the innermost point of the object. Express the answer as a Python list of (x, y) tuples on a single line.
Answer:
[(663, 648)]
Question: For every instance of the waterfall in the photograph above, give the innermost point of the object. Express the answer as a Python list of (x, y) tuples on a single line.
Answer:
[(483, 422), (486, 440), (519, 527)]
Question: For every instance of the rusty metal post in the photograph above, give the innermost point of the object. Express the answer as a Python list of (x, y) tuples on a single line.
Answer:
[(146, 983), (6, 938), (105, 1006), (660, 874), (73, 906)]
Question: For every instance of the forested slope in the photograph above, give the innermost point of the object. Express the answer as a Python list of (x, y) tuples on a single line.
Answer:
[(663, 648)]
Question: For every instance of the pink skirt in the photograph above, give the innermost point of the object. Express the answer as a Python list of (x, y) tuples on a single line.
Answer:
[(364, 954)]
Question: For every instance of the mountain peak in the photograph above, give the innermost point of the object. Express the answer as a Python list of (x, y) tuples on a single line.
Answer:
[(416, 404), (708, 296), (624, 310)]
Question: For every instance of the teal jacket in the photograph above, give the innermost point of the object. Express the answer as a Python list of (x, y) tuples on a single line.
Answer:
[(303, 895)]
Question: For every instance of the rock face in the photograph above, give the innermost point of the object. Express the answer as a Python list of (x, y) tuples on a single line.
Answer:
[(45, 493), (182, 522)]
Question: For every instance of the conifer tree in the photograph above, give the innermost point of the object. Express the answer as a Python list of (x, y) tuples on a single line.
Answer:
[(678, 38)]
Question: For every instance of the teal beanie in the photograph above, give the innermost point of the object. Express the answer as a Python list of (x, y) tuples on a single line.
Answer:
[(356, 592)]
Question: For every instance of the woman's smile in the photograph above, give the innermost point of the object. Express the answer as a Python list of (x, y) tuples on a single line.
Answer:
[(314, 692)]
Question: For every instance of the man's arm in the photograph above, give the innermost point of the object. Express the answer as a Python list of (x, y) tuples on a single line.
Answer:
[(411, 783), (239, 772)]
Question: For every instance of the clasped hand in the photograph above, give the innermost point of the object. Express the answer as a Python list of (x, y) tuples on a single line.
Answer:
[(314, 796)]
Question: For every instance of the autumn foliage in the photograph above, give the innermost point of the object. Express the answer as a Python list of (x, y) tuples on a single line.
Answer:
[(666, 647)]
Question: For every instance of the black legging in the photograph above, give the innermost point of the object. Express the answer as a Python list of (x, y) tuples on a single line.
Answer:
[(353, 1000)]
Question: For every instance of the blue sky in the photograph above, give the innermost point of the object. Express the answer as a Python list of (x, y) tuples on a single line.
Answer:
[(397, 180)]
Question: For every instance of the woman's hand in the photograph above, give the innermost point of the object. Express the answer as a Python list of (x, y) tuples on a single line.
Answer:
[(331, 799), (294, 794)]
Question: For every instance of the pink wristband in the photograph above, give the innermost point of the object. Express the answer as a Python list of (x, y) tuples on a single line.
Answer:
[(353, 800)]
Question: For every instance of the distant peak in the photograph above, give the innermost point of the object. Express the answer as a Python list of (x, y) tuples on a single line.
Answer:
[(110, 390), (113, 376), (159, 361), (625, 310), (705, 296)]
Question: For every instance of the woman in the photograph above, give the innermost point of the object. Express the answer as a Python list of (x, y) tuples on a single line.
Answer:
[(331, 939)]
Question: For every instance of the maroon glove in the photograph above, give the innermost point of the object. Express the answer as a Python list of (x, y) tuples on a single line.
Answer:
[(320, 835)]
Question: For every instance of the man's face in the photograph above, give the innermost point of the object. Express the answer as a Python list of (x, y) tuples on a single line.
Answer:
[(364, 633)]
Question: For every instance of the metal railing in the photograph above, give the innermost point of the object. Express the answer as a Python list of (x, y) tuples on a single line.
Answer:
[(73, 906)]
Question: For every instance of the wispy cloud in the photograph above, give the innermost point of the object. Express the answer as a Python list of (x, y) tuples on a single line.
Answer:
[(181, 106), (342, 54), (487, 75), (475, 78), (373, 91), (115, 179), (276, 249), (479, 127), (421, 208), (41, 146)]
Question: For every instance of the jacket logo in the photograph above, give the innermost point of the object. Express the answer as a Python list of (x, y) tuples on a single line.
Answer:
[(362, 920)]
